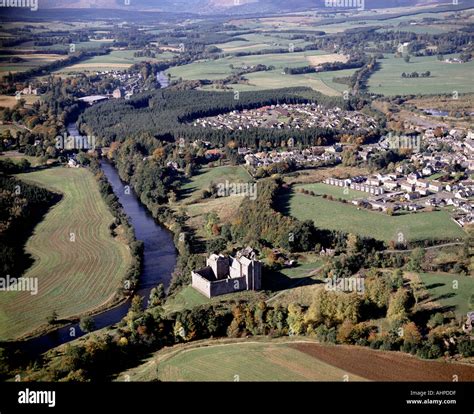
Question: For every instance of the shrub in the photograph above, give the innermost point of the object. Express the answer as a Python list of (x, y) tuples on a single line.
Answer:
[(466, 347)]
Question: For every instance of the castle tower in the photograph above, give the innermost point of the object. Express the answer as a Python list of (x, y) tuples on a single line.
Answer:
[(219, 265), (252, 270)]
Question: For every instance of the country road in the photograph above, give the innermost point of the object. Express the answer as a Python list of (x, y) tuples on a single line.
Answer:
[(439, 246)]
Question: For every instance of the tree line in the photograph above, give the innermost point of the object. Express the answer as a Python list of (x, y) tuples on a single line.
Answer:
[(22, 208)]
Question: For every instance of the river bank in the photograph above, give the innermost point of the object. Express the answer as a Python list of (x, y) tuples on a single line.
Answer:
[(159, 260)]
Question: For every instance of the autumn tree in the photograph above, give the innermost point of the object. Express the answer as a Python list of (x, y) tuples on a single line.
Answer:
[(398, 308), (377, 289), (333, 307), (411, 333), (295, 319), (344, 332), (159, 154), (353, 244), (397, 279), (416, 259)]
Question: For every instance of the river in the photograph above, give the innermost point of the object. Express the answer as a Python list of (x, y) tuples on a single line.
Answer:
[(159, 260)]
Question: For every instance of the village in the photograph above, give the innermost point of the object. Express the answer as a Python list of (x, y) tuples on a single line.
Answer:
[(437, 177), (313, 156), (124, 84), (130, 83), (437, 174), (285, 116)]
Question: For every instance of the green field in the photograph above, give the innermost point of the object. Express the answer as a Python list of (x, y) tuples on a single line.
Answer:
[(117, 59), (335, 215), (440, 287), (294, 282), (189, 298), (240, 362), (302, 270), (337, 192), (445, 77), (321, 82), (287, 359), (29, 61), (260, 41), (16, 157), (217, 175), (220, 69), (77, 263)]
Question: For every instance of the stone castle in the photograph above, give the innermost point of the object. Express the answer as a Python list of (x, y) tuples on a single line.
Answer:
[(227, 274)]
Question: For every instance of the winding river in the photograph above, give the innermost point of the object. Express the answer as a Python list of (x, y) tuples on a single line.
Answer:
[(159, 260)]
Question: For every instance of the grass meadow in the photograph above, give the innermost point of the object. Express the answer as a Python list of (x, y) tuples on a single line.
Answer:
[(334, 215), (445, 77), (78, 264)]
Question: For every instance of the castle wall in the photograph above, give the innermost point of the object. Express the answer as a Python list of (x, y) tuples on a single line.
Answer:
[(234, 275), (201, 284), (223, 287)]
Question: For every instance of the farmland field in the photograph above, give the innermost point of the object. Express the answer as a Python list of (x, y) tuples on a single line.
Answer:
[(302, 270), (75, 255), (9, 101), (117, 59), (440, 287), (29, 61), (256, 41), (445, 77), (220, 68), (298, 360), (321, 82), (335, 215)]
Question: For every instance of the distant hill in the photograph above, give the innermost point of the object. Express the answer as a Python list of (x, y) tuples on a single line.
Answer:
[(219, 6)]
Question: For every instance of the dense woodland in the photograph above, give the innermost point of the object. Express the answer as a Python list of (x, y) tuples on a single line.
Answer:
[(167, 115), (22, 206)]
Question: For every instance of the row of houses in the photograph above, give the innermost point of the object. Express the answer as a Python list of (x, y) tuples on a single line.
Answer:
[(285, 116), (393, 192), (299, 157)]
